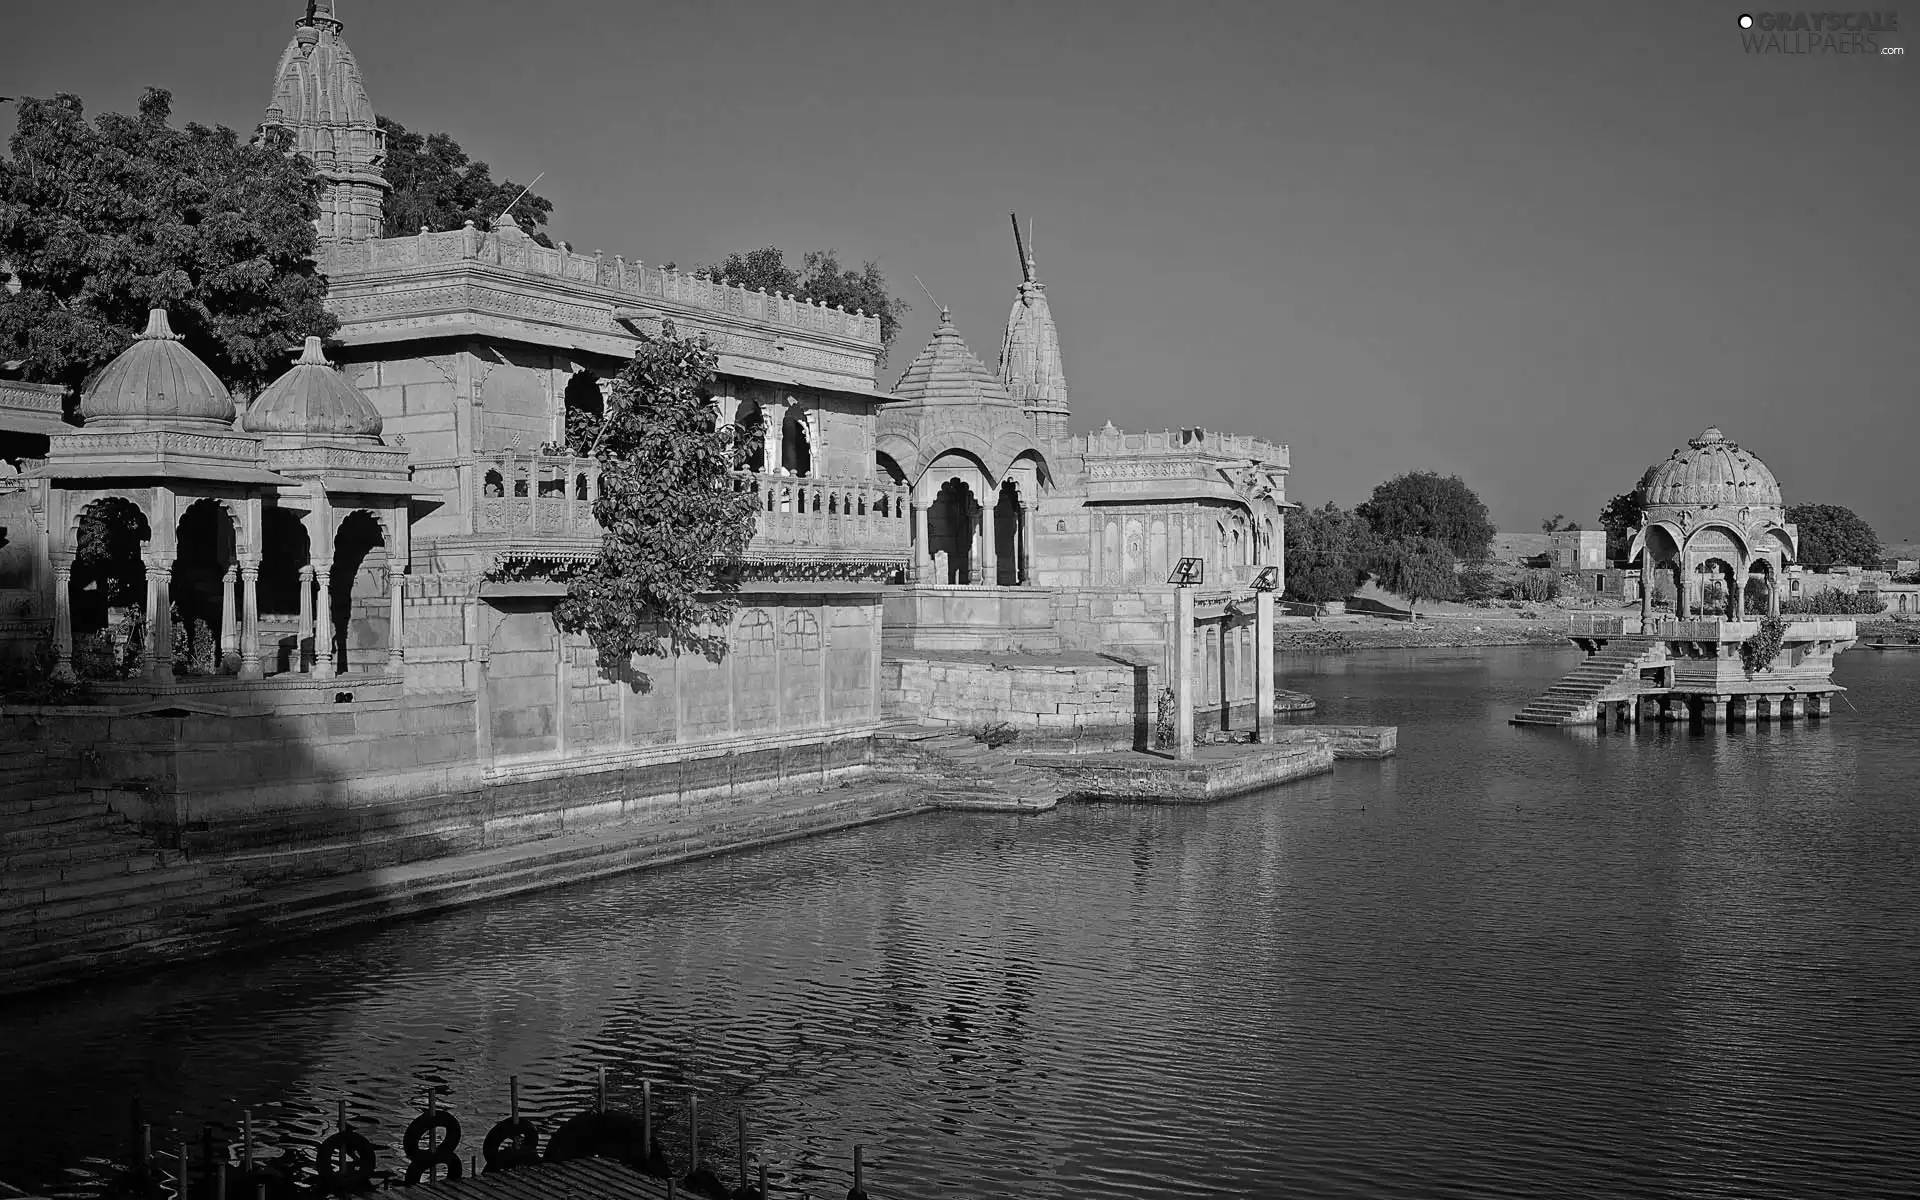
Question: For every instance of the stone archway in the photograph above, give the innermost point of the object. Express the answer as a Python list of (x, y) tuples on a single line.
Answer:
[(952, 521), (356, 617), (796, 443), (107, 591), (1712, 570), (286, 589), (206, 570), (1761, 590)]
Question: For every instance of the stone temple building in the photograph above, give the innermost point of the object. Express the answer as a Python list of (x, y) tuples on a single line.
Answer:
[(943, 548), (1712, 513)]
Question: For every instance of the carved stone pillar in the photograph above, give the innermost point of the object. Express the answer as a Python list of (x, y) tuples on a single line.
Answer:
[(1646, 587), (250, 667), (396, 652), (989, 571), (228, 656), (323, 634), (1773, 598), (303, 640), (63, 619), (922, 552), (1681, 586), (775, 412), (158, 661), (1739, 599)]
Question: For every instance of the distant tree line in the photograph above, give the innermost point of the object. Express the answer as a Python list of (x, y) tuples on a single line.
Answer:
[(1410, 537)]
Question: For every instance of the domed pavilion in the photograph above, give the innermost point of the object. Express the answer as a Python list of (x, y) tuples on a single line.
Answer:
[(194, 510), (1712, 512)]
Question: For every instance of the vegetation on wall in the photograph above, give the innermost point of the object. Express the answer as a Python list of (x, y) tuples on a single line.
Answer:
[(100, 222), (675, 521), (1758, 652), (1834, 536), (437, 185), (820, 279), (1424, 504), (1834, 604)]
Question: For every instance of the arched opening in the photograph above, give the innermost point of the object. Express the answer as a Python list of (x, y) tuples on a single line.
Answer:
[(1759, 594), (1009, 537), (1718, 594), (356, 618), (888, 470), (205, 571), (285, 556), (108, 591), (586, 408), (950, 528), (493, 485), (796, 450), (750, 435)]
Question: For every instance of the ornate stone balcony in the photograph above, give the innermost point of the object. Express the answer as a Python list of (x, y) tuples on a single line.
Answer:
[(549, 499)]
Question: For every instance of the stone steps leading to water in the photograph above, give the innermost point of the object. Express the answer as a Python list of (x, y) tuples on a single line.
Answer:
[(1574, 697)]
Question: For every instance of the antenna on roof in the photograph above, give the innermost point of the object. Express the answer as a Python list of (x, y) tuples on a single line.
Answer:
[(1020, 244), (929, 292), (517, 199)]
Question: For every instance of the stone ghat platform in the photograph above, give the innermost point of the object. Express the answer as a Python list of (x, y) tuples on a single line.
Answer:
[(1214, 772)]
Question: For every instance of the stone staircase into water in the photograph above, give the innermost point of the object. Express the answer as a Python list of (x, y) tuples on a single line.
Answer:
[(81, 886), (958, 772), (1611, 674)]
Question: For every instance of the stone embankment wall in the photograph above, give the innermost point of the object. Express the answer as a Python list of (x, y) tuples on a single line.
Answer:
[(1343, 637), (1069, 697)]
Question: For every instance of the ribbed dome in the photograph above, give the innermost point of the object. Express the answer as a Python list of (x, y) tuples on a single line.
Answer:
[(318, 94), (1030, 354), (946, 372), (1710, 470), (313, 400), (157, 382)]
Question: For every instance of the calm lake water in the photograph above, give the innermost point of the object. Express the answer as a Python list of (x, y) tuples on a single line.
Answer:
[(1510, 962)]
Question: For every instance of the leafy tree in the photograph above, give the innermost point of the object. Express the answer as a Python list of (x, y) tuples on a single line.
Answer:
[(1834, 536), (1620, 518), (1478, 583), (1554, 523), (675, 522), (101, 222), (437, 185), (1423, 504), (1323, 551), (820, 279), (1417, 568)]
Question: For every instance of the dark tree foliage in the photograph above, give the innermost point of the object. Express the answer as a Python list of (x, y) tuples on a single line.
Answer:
[(1417, 568), (1423, 504), (1554, 523), (1620, 518), (101, 222), (1324, 550), (436, 185), (675, 522), (1834, 536), (820, 279)]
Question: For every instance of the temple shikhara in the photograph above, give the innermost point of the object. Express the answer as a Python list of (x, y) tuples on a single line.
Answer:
[(328, 551)]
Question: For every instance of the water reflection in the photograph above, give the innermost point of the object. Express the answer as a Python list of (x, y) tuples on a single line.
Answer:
[(1654, 962)]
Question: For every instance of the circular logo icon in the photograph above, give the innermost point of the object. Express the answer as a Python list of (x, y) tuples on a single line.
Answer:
[(1746, 21)]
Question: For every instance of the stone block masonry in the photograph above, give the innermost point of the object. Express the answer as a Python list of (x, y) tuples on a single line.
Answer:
[(1068, 697)]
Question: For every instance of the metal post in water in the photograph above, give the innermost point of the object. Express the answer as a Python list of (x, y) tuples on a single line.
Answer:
[(858, 1173), (343, 1116), (246, 1143), (146, 1151), (763, 1181), (180, 1183), (602, 1101), (220, 1182), (513, 1097), (646, 1119), (743, 1147)]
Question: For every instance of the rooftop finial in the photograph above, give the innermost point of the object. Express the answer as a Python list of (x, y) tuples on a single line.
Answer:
[(1026, 252)]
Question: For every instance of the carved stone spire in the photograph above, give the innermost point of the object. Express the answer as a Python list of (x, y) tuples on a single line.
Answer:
[(319, 98), (1030, 354)]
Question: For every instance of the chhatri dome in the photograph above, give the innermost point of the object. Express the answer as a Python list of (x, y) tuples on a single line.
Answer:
[(315, 401), (157, 383), (319, 98), (1709, 472)]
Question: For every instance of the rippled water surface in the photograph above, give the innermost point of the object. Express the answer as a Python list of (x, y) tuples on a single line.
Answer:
[(1507, 963)]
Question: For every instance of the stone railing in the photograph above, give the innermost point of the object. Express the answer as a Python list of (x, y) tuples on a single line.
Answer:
[(614, 273), (1599, 625), (1118, 443), (1720, 630), (534, 495)]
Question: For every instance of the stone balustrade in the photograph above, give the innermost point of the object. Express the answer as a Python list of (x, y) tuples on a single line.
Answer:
[(1106, 443), (612, 273), (522, 494)]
